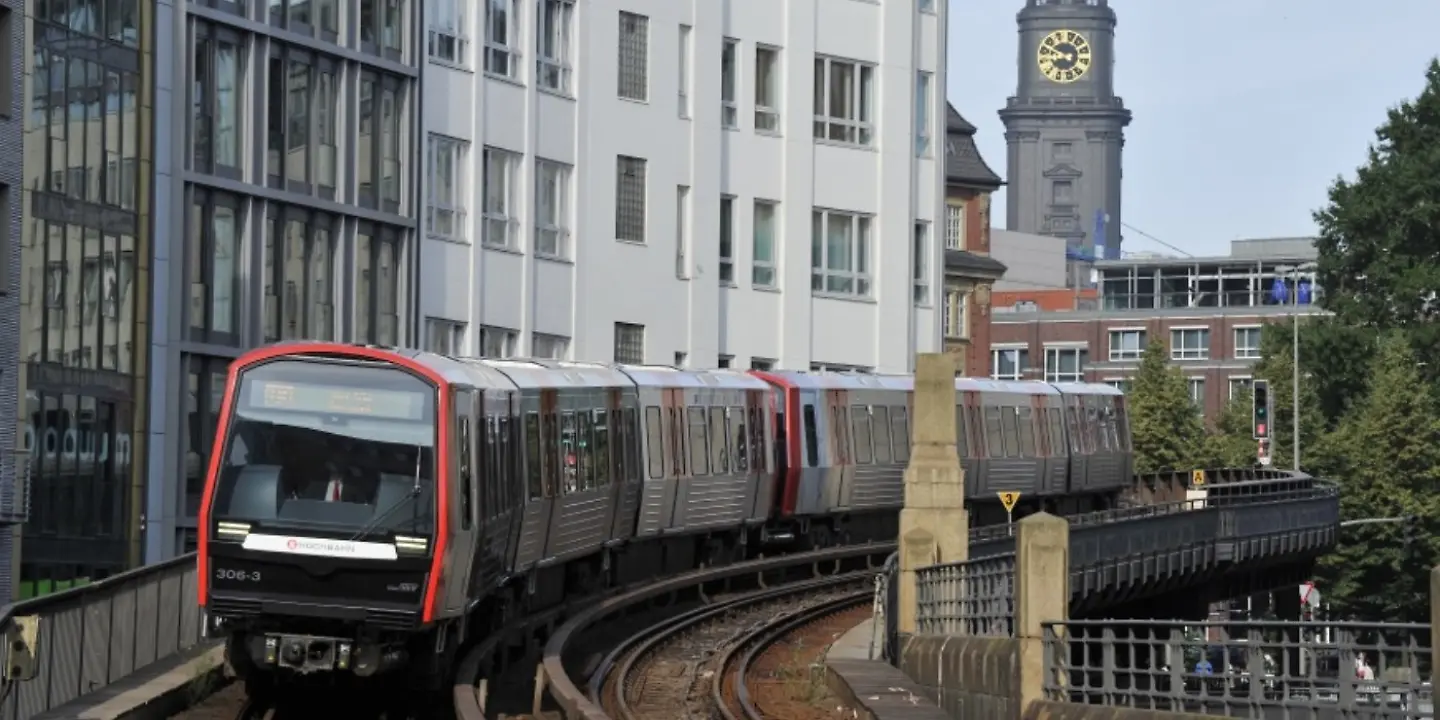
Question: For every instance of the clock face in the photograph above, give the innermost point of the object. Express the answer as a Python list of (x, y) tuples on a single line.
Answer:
[(1063, 56)]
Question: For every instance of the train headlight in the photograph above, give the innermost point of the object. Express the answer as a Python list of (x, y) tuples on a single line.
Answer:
[(272, 649), (342, 656), (237, 531), (405, 545)]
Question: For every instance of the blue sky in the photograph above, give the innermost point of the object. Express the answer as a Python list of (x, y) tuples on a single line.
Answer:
[(1245, 110)]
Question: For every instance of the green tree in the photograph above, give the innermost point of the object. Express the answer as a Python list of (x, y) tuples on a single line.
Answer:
[(1276, 365), (1232, 443), (1388, 450), (1167, 431), (1379, 242)]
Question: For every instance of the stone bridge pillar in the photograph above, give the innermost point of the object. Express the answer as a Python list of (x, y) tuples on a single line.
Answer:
[(933, 526)]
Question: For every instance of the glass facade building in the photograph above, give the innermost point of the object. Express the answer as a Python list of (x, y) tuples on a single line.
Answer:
[(84, 279), (285, 206), (12, 128)]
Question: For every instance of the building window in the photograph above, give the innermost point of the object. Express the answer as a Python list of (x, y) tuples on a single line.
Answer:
[(927, 6), (763, 248), (217, 117), (729, 111), (446, 337), (1061, 152), (204, 396), (212, 250), (1121, 384), (840, 253), (501, 213), (1247, 343), (840, 368), (381, 23), (1197, 391), (767, 89), (630, 199), (922, 113), (844, 95), (629, 343), (552, 209), (445, 188), (727, 240), (551, 347), (1064, 192), (1009, 363), (377, 284), (682, 231), (497, 342), (1065, 364), (921, 263), (762, 364), (1189, 344), (955, 227), (953, 320), (448, 41), (1126, 344), (634, 58), (378, 154), (502, 36), (301, 146), (684, 80), (1241, 387), (552, 66), (299, 276)]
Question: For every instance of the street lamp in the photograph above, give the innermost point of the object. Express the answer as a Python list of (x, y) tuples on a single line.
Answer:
[(1294, 271)]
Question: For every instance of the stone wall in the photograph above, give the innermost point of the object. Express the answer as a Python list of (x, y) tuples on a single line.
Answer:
[(970, 678)]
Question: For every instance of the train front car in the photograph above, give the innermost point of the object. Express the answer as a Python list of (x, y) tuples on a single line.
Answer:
[(319, 523)]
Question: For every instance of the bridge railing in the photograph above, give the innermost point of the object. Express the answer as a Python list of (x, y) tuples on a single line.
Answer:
[(71, 643), (974, 598), (1243, 669)]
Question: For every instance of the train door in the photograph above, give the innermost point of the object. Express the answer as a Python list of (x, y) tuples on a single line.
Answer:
[(622, 486), (676, 470), (464, 505), (808, 498), (970, 443), (508, 440), (1074, 435), (535, 425), (842, 468)]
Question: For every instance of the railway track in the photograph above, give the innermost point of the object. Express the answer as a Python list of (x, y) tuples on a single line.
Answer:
[(640, 633)]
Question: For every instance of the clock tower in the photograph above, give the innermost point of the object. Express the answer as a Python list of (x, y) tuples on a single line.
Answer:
[(1065, 127)]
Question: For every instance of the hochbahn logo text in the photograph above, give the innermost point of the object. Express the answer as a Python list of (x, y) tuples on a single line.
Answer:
[(298, 545)]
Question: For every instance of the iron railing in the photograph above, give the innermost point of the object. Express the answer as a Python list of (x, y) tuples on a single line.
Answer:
[(68, 644), (1295, 670), (974, 598)]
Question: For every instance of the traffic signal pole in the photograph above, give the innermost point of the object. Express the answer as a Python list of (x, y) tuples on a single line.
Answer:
[(1260, 406)]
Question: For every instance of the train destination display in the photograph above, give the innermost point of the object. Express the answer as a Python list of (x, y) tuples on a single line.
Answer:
[(332, 399)]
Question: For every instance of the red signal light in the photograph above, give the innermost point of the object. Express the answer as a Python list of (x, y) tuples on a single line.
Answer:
[(1260, 429)]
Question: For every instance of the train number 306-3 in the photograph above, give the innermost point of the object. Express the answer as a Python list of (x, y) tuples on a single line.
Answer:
[(241, 575)]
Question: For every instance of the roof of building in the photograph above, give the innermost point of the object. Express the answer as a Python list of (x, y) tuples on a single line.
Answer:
[(969, 263), (963, 164)]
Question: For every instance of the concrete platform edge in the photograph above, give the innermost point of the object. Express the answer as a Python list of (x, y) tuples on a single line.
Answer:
[(168, 689), (875, 689)]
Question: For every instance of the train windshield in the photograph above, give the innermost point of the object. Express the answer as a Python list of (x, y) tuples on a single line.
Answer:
[(343, 449)]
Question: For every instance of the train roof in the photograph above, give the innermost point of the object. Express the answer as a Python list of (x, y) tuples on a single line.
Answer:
[(541, 373), (667, 376), (1084, 388), (903, 383)]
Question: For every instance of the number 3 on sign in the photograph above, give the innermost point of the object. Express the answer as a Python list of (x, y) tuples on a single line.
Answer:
[(1008, 499)]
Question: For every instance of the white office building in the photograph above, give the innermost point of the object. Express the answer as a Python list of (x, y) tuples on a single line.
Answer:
[(749, 183)]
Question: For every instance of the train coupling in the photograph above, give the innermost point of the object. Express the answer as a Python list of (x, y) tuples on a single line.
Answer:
[(306, 654)]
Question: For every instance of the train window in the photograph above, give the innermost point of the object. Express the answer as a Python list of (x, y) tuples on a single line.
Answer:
[(719, 443), (569, 448), (812, 440), (550, 452), (466, 453), (735, 422), (509, 433), (860, 422), (532, 455), (842, 435), (900, 433), (498, 482), (632, 444), (584, 449), (654, 442), (880, 426), (601, 450), (960, 444), (1010, 432), (1057, 431), (699, 442), (994, 436), (677, 441), (1026, 420), (755, 436), (1072, 417)]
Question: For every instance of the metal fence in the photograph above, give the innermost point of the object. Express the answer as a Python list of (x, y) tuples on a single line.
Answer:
[(1291, 670), (68, 644), (974, 598)]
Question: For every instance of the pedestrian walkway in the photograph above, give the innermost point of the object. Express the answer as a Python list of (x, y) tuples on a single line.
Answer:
[(873, 684), (159, 691)]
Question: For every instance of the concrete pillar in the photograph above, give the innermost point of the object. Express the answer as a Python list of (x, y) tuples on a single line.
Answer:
[(933, 525), (1434, 620), (1042, 594)]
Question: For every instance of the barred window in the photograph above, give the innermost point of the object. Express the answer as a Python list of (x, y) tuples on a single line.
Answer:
[(629, 343), (630, 198), (634, 60)]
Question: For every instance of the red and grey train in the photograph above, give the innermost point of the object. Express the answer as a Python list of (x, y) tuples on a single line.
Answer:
[(368, 509)]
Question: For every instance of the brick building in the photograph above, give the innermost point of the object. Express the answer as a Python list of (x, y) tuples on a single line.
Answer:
[(1210, 312), (970, 272)]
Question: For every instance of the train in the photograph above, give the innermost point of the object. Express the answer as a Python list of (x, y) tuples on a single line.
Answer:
[(369, 510)]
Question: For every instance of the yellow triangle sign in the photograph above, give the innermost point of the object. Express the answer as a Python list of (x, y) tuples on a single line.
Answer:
[(1008, 499)]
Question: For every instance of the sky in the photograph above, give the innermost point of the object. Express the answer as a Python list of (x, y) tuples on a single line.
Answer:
[(1245, 111)]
